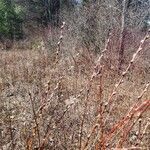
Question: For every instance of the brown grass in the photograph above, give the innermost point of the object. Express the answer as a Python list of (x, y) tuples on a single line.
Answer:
[(53, 101)]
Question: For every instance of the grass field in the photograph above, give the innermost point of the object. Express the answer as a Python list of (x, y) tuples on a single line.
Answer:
[(50, 100)]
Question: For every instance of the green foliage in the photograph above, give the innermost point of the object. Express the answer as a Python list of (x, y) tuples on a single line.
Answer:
[(10, 19), (14, 13)]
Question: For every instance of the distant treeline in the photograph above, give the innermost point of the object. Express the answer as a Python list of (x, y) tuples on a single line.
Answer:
[(14, 14)]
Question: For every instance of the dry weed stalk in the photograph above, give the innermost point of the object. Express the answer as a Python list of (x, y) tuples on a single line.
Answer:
[(126, 119), (144, 131), (105, 139), (124, 122), (110, 103), (97, 72), (140, 110), (10, 117), (35, 119), (58, 52), (139, 128), (46, 136), (110, 99), (84, 113), (137, 108)]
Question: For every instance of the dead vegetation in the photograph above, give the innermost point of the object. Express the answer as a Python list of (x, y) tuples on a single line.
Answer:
[(83, 86), (75, 101)]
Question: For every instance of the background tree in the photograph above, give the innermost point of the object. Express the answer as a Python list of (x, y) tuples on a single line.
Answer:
[(10, 20)]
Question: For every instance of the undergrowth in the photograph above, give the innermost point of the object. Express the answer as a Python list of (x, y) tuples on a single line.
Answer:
[(74, 101)]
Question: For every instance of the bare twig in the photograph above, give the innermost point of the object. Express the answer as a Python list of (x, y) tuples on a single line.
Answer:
[(35, 119)]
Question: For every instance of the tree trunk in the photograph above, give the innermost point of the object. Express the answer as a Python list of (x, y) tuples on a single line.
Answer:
[(122, 36)]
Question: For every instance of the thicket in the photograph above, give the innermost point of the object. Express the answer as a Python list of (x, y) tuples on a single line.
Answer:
[(82, 82)]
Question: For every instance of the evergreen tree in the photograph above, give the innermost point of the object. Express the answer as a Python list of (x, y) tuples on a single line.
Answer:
[(10, 20)]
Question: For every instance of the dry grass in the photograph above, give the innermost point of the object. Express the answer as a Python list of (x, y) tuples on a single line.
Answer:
[(53, 101)]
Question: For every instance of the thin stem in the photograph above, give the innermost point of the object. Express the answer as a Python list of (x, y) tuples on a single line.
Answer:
[(35, 119)]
